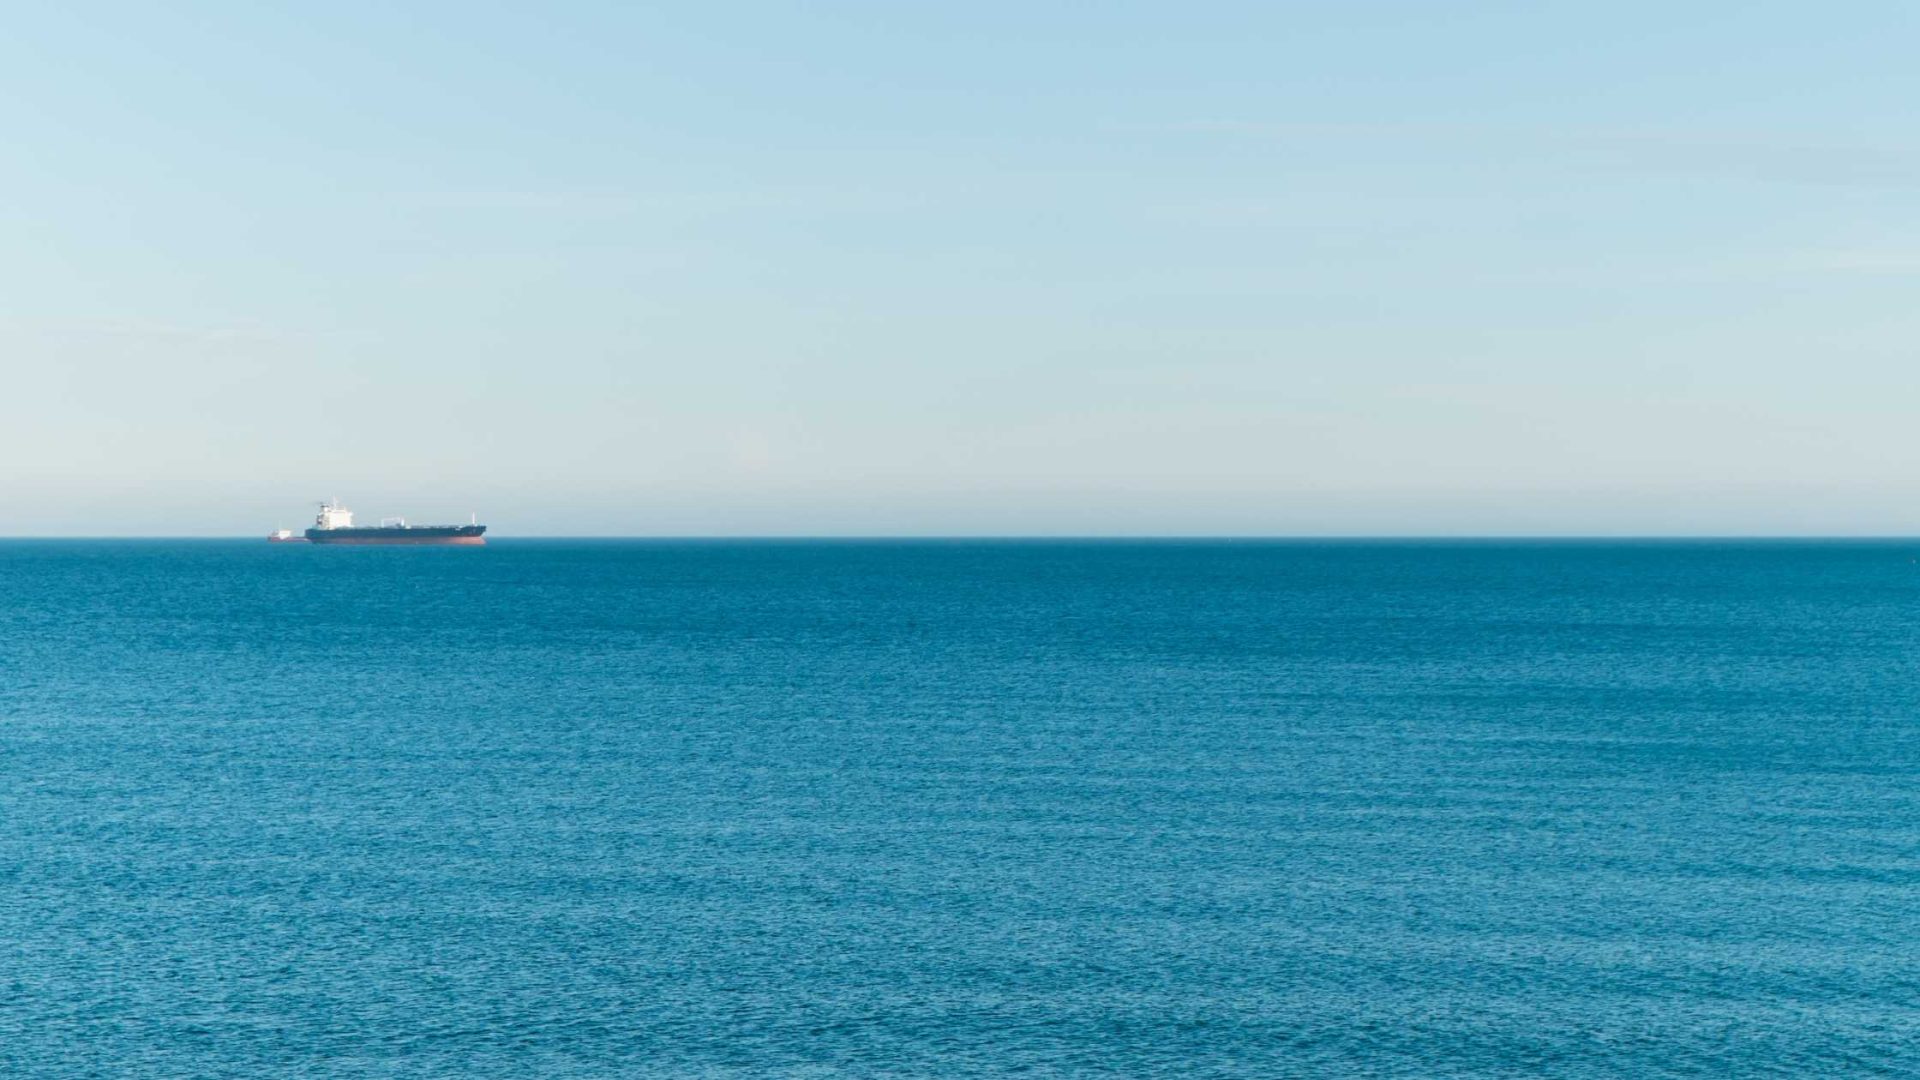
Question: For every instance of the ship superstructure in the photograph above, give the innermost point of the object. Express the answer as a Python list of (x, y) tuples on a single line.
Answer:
[(334, 525)]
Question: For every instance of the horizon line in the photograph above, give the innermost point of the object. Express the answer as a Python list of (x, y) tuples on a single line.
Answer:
[(1061, 537)]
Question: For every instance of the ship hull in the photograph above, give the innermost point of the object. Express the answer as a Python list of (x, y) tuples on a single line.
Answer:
[(403, 536)]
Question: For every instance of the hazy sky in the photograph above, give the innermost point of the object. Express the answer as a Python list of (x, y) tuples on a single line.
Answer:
[(827, 268)]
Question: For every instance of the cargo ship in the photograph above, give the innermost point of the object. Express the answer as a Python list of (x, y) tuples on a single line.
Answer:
[(335, 526)]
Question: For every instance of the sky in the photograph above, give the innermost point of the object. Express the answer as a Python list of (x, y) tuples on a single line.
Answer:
[(1358, 268)]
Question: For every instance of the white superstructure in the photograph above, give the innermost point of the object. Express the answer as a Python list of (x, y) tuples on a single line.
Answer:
[(333, 516)]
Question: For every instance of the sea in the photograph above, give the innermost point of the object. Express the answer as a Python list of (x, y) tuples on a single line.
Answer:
[(958, 808)]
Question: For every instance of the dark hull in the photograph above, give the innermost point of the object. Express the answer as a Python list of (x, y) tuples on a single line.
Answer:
[(412, 535)]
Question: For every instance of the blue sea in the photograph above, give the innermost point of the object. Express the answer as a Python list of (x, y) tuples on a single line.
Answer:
[(717, 809)]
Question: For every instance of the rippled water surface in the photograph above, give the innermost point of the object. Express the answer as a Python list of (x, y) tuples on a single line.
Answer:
[(1319, 810)]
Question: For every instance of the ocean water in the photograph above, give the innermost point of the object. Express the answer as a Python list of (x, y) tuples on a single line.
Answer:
[(579, 809)]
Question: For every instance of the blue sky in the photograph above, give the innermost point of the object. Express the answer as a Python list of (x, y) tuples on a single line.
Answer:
[(861, 268)]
